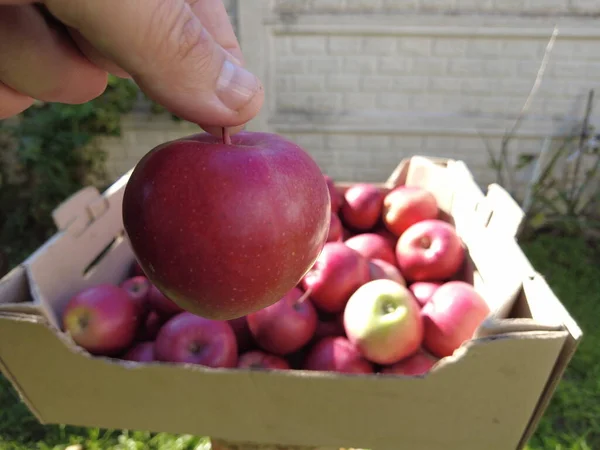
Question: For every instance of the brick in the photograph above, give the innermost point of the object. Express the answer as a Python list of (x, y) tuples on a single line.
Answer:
[(324, 65), (445, 84), (309, 45), (439, 142), (394, 65), (522, 48), (326, 102), (312, 142), (407, 142), (427, 103), (309, 83), (379, 45), (359, 64), (394, 101), (484, 48), (400, 5), (344, 45), (290, 65), (284, 83), (514, 86), (465, 67), (478, 86), (326, 5), (409, 84), (499, 68), (514, 6), (292, 101), (359, 101), (341, 141), (363, 5), (450, 47), (370, 142), (342, 83), (438, 5), (418, 46), (475, 5), (429, 66), (283, 46), (547, 6), (376, 83), (565, 69)]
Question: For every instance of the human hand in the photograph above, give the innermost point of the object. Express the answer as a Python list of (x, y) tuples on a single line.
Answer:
[(182, 53)]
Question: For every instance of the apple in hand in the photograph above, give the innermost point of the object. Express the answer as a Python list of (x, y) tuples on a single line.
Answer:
[(362, 206), (242, 333), (380, 270), (336, 274), (336, 354), (226, 226), (285, 326), (138, 288), (452, 317), (257, 359), (187, 338), (161, 304), (423, 290), (404, 206), (101, 319), (335, 229), (430, 251), (418, 363), (334, 195), (141, 352), (373, 246), (382, 320)]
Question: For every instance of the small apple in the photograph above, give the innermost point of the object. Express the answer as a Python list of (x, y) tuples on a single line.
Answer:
[(423, 290), (335, 229), (161, 304), (141, 352), (452, 316), (382, 320), (224, 226), (362, 206), (187, 338), (336, 274), (418, 363), (373, 246), (257, 359), (336, 354), (429, 251), (404, 206), (380, 270), (335, 196), (101, 319), (138, 288), (285, 326), (242, 333)]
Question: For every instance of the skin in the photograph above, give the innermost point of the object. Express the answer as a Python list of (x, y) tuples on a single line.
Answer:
[(182, 53)]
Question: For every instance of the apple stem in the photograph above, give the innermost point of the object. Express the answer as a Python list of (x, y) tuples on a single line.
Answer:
[(226, 137), (304, 296)]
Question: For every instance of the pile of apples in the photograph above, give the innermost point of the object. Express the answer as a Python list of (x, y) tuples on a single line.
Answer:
[(387, 294)]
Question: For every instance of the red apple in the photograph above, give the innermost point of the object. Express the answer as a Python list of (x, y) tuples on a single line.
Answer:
[(187, 338), (429, 251), (285, 326), (136, 269), (336, 354), (381, 270), (243, 336), (387, 234), (452, 317), (141, 352), (373, 246), (406, 205), (257, 359), (101, 319), (362, 206), (138, 288), (335, 229), (336, 274), (423, 290), (334, 195), (149, 328), (161, 304), (225, 227), (382, 320), (418, 363), (329, 327)]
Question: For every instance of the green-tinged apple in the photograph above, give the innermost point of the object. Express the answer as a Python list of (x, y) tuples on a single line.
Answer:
[(382, 320), (225, 227)]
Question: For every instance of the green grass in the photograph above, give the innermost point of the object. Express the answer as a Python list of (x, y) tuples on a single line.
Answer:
[(572, 421)]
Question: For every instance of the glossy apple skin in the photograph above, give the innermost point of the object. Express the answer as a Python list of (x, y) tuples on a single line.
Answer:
[(257, 359), (423, 290), (335, 229), (373, 246), (418, 363), (187, 338), (452, 316), (382, 319), (430, 251), (406, 205), (336, 274), (161, 304), (285, 326), (381, 270), (225, 230), (101, 319), (361, 208), (138, 288), (335, 196), (336, 354), (141, 352)]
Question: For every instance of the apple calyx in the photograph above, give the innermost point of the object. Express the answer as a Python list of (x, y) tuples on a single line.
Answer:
[(195, 348), (388, 307), (425, 242), (76, 323)]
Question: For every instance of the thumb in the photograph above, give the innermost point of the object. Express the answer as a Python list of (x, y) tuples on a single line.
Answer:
[(166, 49)]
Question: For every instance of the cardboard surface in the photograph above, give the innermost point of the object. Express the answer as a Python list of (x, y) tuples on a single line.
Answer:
[(489, 394)]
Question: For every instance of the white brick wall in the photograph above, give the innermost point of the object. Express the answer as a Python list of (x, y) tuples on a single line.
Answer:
[(361, 84)]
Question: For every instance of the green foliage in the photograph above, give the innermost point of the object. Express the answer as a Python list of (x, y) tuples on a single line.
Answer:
[(47, 154)]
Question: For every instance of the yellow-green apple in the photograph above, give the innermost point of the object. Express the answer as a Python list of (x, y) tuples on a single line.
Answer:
[(336, 354), (138, 288), (418, 363), (380, 269), (373, 246), (335, 228), (429, 250), (361, 208), (141, 352), (101, 319), (161, 304), (243, 336), (382, 320), (286, 325), (260, 360), (226, 226), (452, 316), (336, 274), (188, 338), (404, 206), (335, 196), (423, 290)]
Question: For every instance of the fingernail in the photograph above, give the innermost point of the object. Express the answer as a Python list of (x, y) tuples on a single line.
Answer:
[(236, 86)]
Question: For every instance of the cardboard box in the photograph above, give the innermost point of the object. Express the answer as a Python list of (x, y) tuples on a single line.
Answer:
[(489, 395)]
